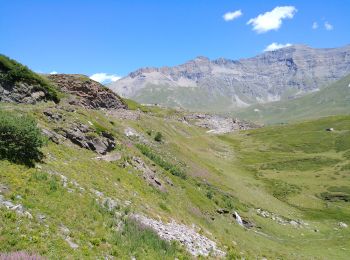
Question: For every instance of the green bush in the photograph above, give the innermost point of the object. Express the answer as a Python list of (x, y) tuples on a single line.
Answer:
[(20, 139), (13, 72), (173, 169), (158, 137)]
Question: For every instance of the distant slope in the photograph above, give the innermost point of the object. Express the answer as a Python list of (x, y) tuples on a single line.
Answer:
[(224, 85), (332, 100)]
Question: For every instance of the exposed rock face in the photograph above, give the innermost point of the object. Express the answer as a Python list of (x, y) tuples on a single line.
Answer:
[(90, 93), (20, 92), (224, 84), (82, 135)]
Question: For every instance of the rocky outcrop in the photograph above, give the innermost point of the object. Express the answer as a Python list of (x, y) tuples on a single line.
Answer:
[(85, 137), (78, 133), (224, 84), (20, 92), (86, 92)]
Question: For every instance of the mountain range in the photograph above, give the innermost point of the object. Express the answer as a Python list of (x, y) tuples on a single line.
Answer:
[(223, 85)]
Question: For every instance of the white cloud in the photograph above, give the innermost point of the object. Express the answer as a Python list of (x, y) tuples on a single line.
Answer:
[(272, 20), (104, 77), (53, 72), (229, 16), (328, 26), (275, 46), (314, 25)]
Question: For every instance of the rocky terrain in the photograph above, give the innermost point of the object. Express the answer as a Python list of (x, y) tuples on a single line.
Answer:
[(225, 85)]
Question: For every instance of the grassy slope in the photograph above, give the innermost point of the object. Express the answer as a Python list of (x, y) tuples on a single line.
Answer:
[(282, 169), (332, 100)]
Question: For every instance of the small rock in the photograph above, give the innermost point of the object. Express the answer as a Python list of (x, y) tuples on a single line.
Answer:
[(342, 225), (28, 215), (71, 243), (129, 132), (3, 188), (293, 223), (222, 211), (64, 230), (41, 217), (110, 157)]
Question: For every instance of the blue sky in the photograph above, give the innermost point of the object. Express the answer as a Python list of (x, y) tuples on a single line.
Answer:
[(117, 37)]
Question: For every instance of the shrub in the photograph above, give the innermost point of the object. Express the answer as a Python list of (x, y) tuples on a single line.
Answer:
[(158, 137), (13, 72), (20, 139)]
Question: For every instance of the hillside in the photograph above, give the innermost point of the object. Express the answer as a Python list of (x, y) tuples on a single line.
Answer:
[(332, 100), (191, 187), (224, 85)]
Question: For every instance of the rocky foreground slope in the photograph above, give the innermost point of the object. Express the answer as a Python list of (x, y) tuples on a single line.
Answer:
[(223, 84)]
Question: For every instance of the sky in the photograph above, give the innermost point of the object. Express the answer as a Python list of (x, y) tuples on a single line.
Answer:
[(107, 39)]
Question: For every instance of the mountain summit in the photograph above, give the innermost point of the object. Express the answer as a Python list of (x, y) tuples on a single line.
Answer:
[(224, 84)]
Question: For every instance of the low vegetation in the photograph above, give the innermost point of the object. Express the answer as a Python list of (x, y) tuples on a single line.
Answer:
[(158, 137)]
